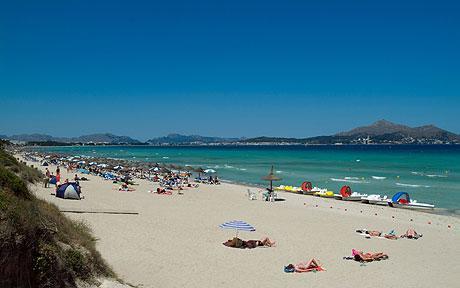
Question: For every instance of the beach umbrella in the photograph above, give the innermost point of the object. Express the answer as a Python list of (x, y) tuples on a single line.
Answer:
[(176, 167), (209, 171), (238, 226), (271, 177), (92, 163), (199, 170), (165, 170), (81, 162), (118, 167)]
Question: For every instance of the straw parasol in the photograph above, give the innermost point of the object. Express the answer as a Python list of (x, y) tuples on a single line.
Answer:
[(199, 170), (271, 177)]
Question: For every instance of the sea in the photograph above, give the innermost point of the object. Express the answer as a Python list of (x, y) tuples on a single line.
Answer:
[(429, 173)]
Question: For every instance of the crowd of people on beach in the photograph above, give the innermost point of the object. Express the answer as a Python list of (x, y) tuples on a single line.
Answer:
[(118, 171)]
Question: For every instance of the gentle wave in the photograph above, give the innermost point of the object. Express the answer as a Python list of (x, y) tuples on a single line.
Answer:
[(352, 178), (429, 175), (348, 180), (165, 157), (435, 175), (412, 185), (379, 177)]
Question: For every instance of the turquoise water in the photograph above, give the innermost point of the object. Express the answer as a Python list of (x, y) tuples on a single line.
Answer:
[(428, 173)]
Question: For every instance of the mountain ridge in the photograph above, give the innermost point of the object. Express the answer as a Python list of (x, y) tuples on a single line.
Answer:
[(94, 138), (379, 132), (384, 127)]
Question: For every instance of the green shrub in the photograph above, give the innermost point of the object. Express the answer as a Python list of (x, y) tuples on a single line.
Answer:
[(10, 182)]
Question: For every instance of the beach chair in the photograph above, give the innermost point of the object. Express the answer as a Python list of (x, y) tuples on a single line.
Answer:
[(273, 196), (252, 195)]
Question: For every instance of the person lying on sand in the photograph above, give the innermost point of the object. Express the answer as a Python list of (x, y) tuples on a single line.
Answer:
[(312, 265), (162, 191), (411, 234), (368, 257), (375, 233), (124, 187), (250, 244)]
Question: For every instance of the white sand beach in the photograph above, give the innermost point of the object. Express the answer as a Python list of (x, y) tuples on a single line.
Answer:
[(175, 241)]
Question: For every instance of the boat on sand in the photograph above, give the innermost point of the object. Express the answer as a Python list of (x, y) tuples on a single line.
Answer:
[(403, 200), (376, 199)]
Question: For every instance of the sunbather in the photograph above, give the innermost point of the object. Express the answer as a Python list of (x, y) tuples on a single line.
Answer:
[(411, 234), (375, 233), (238, 243), (163, 191), (368, 257), (312, 265)]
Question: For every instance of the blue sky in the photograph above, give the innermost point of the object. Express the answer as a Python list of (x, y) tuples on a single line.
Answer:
[(226, 68)]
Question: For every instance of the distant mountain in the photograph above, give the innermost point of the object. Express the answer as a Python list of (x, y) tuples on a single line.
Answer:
[(31, 137), (383, 127), (178, 139), (378, 128), (380, 132), (93, 138)]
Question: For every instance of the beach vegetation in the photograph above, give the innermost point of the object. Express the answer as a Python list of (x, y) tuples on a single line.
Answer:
[(39, 246)]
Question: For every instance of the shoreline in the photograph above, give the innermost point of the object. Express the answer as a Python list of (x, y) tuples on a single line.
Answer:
[(142, 164)]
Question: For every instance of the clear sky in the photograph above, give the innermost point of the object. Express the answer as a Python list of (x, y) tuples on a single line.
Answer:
[(227, 68)]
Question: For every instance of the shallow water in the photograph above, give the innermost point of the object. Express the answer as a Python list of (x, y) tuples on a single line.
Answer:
[(428, 173)]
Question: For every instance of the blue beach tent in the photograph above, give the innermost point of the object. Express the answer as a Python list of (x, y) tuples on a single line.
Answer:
[(69, 191), (53, 180), (83, 171), (397, 197)]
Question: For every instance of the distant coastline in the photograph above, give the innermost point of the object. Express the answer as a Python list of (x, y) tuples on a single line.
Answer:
[(381, 132)]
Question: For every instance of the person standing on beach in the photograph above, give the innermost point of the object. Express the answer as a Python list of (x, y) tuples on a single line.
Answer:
[(58, 176), (47, 177)]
